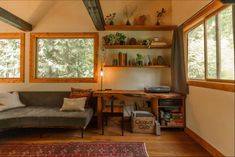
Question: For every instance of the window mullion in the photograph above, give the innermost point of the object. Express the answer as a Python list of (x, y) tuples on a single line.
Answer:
[(205, 50), (218, 49)]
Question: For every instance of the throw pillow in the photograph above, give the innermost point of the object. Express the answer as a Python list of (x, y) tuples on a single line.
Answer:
[(76, 104), (79, 93), (10, 101)]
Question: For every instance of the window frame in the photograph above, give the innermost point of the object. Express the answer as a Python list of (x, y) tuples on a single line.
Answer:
[(20, 36), (33, 55), (200, 18)]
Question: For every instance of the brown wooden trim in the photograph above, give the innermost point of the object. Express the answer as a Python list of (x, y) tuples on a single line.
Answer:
[(216, 11), (20, 36), (203, 13), (220, 80), (212, 150), (32, 58), (213, 85), (148, 66)]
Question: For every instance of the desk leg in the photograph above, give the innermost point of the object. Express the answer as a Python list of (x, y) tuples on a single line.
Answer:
[(99, 113), (155, 107)]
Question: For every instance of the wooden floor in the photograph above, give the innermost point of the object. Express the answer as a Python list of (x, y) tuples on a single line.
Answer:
[(171, 142)]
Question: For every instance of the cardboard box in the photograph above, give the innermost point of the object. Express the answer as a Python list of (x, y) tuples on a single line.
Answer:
[(143, 122)]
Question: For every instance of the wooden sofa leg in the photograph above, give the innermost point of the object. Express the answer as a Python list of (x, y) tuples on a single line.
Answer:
[(82, 132)]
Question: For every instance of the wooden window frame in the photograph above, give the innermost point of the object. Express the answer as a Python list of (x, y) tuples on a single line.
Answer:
[(33, 55), (20, 36), (200, 18)]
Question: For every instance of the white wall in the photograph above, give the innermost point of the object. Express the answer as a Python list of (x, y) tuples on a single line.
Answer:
[(72, 16), (209, 112)]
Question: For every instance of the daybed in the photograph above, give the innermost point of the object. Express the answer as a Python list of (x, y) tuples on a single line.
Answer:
[(43, 111)]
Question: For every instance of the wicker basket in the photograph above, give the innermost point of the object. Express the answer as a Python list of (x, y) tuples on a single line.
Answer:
[(143, 122)]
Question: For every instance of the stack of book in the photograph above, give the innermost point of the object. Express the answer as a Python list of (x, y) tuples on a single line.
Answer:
[(158, 43), (176, 119)]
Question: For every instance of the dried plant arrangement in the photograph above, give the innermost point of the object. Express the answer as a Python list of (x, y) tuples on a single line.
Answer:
[(109, 19), (159, 15), (128, 14)]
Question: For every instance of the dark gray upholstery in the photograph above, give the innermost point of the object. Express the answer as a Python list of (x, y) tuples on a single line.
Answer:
[(52, 99), (43, 110)]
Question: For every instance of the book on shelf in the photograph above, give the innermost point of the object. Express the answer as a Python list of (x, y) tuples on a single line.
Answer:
[(177, 120), (158, 43)]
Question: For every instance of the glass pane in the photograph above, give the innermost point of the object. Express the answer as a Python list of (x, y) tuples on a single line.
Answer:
[(227, 44), (65, 58), (10, 58), (196, 53), (211, 48)]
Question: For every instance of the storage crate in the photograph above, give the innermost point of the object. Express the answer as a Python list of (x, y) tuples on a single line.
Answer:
[(143, 122)]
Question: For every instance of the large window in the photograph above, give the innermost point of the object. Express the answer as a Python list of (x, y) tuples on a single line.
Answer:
[(12, 57), (210, 47), (64, 57)]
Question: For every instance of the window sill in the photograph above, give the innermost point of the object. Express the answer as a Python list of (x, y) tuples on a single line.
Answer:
[(11, 80), (63, 80), (212, 85)]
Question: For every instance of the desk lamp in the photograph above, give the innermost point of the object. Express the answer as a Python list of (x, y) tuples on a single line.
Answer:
[(101, 78)]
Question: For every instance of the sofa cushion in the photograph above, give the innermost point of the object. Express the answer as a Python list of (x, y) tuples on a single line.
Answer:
[(9, 101), (76, 104), (46, 99), (79, 93), (38, 116)]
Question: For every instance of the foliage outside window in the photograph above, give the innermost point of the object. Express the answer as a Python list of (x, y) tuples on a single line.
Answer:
[(64, 57), (210, 47), (11, 57)]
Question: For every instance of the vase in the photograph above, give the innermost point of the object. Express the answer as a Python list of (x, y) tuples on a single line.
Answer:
[(122, 42), (158, 22), (111, 23), (128, 22)]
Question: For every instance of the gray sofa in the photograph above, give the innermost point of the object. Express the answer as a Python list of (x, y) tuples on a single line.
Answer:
[(43, 111)]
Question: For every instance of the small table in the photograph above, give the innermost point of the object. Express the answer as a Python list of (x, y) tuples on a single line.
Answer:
[(132, 93)]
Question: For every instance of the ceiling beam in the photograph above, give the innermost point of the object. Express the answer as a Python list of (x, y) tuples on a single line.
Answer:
[(96, 14), (13, 20)]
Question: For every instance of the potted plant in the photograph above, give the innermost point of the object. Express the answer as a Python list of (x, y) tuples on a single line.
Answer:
[(120, 38), (159, 15), (109, 39), (109, 19), (139, 59)]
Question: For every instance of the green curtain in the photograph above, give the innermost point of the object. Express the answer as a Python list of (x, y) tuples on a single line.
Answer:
[(178, 75)]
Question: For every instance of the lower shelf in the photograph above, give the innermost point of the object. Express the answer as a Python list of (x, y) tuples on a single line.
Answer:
[(172, 127)]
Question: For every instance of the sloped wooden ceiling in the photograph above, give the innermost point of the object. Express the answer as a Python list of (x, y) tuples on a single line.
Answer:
[(14, 20)]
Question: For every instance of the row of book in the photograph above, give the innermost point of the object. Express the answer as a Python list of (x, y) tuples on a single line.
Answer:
[(171, 119)]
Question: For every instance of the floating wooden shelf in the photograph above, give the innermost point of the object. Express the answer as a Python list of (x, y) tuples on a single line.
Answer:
[(172, 126), (169, 106), (152, 66), (136, 47), (140, 28)]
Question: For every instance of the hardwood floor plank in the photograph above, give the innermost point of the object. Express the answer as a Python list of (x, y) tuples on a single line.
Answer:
[(171, 143)]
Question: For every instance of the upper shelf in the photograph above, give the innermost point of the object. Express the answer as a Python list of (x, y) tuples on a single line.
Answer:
[(136, 47), (139, 28)]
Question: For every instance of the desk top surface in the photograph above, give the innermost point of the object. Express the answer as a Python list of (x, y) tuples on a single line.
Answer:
[(137, 93)]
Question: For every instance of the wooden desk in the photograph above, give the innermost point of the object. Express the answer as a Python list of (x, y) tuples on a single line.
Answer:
[(132, 93)]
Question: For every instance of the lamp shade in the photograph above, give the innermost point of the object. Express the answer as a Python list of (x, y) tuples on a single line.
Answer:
[(101, 73)]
